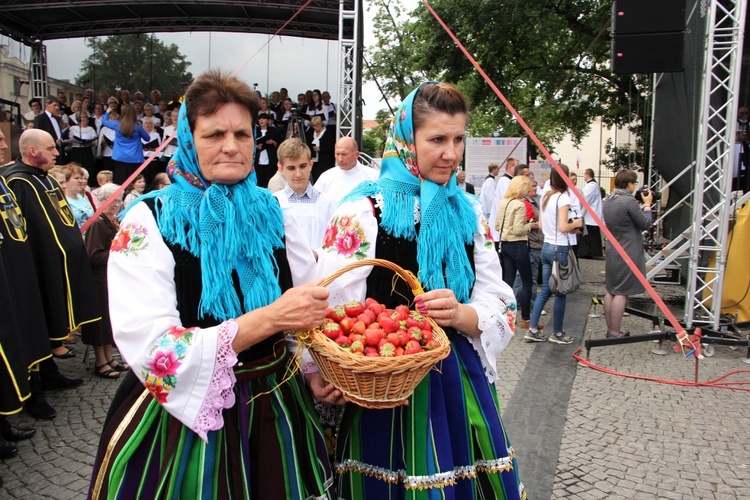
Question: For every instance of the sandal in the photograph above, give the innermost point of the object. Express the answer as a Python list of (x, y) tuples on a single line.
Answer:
[(117, 366), (110, 374), (69, 353)]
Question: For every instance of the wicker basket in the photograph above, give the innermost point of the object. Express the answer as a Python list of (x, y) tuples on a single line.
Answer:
[(374, 382)]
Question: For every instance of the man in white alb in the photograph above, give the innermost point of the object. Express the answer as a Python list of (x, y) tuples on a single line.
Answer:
[(340, 180)]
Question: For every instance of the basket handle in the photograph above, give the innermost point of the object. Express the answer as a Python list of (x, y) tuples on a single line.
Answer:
[(407, 276)]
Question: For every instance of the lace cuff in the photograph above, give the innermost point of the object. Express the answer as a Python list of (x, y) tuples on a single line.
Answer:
[(220, 393), (497, 330)]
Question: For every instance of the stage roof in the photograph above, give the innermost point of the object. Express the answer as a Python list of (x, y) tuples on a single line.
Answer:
[(30, 21)]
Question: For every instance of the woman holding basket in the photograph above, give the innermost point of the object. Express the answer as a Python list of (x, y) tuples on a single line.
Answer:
[(448, 439), (202, 279)]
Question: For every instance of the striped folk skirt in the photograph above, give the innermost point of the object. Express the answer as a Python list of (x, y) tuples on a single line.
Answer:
[(271, 448), (448, 443)]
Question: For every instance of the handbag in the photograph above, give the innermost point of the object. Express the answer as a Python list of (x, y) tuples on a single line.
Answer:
[(565, 277)]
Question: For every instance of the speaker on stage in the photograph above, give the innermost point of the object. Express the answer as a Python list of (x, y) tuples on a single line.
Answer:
[(648, 36), (647, 53), (647, 16)]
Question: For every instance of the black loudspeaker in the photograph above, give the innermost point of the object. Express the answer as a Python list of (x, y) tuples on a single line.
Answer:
[(647, 16), (648, 53)]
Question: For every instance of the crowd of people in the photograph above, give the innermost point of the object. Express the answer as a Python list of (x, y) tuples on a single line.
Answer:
[(533, 230), (103, 132)]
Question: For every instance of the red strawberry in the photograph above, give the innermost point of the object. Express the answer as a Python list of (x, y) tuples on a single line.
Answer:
[(412, 347), (344, 341), (387, 350), (374, 306), (374, 325), (369, 301), (346, 325), (366, 317), (403, 313), (372, 352), (432, 344), (382, 343), (399, 351), (332, 330), (426, 336), (335, 313), (354, 308), (358, 346), (393, 338), (358, 327), (373, 336), (357, 337), (388, 324), (415, 333), (416, 319)]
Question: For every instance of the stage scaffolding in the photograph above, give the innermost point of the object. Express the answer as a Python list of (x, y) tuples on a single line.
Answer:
[(711, 200)]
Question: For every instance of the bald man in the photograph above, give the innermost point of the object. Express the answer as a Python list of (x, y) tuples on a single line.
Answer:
[(62, 264), (340, 180)]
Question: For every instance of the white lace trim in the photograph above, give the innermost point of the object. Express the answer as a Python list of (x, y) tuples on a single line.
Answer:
[(417, 213), (220, 393), (439, 480), (495, 337)]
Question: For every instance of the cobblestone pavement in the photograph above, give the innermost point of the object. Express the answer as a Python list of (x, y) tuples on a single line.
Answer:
[(622, 438)]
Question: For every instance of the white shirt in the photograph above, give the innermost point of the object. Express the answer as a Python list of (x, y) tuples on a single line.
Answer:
[(55, 125), (487, 195), (85, 133), (575, 211), (312, 210), (104, 148), (593, 195), (169, 150), (154, 136), (337, 183), (552, 233), (502, 186)]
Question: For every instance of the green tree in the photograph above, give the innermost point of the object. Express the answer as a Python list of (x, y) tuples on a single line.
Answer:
[(549, 58), (134, 62), (373, 141)]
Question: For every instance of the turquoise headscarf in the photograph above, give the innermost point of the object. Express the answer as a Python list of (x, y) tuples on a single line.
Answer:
[(228, 227), (448, 219)]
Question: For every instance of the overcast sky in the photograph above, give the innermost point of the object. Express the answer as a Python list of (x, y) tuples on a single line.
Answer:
[(298, 64)]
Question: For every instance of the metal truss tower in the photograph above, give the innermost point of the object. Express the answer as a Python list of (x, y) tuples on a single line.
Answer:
[(39, 71), (711, 198), (347, 121)]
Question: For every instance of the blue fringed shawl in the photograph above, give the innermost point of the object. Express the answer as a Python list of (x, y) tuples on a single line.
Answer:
[(448, 219), (228, 227)]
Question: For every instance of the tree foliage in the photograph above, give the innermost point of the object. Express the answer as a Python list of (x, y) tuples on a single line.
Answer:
[(550, 58), (134, 62)]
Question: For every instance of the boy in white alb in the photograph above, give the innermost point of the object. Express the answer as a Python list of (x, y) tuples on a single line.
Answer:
[(309, 206)]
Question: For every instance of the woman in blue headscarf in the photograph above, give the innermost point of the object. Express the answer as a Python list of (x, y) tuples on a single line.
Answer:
[(448, 441), (201, 285)]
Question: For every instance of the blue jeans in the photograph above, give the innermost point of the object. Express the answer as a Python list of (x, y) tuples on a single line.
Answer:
[(515, 257), (558, 311), (535, 256)]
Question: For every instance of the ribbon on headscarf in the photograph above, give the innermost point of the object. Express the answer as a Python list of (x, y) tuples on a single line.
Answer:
[(448, 219), (228, 227)]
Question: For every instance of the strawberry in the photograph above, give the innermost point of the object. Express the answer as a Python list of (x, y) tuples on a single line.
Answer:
[(374, 325), (432, 344), (403, 313), (354, 337), (366, 317), (335, 313), (346, 325), (369, 302), (426, 336), (373, 336), (387, 350), (344, 341), (399, 351), (388, 324), (332, 330), (382, 343), (393, 338), (415, 333), (412, 347), (403, 338), (358, 347), (416, 319), (372, 352), (354, 308), (358, 327), (374, 306)]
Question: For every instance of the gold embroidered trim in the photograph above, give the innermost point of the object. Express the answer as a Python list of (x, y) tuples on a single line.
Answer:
[(113, 442), (439, 480)]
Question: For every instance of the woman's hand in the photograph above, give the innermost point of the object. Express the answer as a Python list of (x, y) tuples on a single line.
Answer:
[(442, 306), (299, 308), (323, 391)]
